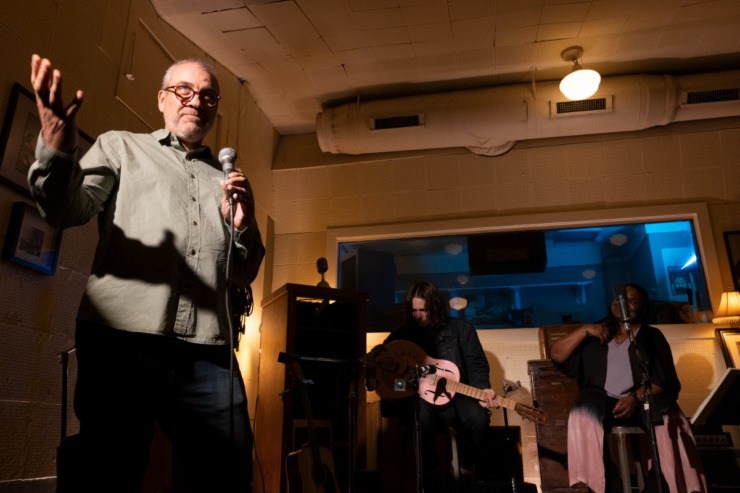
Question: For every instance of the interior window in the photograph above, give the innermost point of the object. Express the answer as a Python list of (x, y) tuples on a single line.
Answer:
[(535, 277)]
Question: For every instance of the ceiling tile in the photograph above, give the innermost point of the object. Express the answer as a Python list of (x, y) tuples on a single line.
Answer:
[(379, 18), (471, 9), (431, 32), (390, 36), (282, 12), (431, 12), (560, 14), (558, 31)]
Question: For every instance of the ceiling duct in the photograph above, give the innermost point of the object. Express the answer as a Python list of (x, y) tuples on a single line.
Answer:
[(491, 121)]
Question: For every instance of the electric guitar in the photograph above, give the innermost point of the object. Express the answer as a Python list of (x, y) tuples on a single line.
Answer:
[(438, 380), (310, 469)]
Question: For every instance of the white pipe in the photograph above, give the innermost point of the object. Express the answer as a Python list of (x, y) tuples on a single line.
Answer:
[(491, 121)]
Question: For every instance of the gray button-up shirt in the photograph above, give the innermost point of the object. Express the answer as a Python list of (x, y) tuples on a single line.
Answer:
[(160, 263)]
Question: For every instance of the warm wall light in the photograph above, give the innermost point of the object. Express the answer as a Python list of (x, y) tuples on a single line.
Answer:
[(729, 309), (581, 83)]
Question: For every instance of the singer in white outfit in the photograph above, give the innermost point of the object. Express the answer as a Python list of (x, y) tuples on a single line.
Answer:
[(605, 359), (152, 338)]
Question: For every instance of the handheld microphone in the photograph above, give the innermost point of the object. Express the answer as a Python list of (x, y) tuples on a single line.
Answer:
[(226, 157), (624, 309)]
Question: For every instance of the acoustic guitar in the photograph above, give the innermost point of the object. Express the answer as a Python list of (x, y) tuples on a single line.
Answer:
[(397, 363), (310, 469)]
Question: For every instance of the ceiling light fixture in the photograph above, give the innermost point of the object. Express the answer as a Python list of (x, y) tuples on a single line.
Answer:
[(453, 248), (581, 83), (618, 239), (588, 273), (458, 303)]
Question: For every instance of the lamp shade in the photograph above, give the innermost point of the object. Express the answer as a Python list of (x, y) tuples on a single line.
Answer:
[(729, 309), (580, 84)]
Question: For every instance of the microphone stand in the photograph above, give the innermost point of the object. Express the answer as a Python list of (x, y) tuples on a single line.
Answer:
[(413, 382), (648, 404), (508, 388)]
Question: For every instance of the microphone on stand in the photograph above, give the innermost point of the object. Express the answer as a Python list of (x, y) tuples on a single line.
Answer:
[(624, 311), (226, 157)]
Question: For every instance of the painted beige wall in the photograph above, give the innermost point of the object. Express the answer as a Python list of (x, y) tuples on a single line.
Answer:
[(691, 162)]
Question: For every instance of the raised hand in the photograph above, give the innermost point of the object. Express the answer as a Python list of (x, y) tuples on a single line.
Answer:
[(57, 121)]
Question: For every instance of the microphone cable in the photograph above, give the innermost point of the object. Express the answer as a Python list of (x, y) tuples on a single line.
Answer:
[(229, 321)]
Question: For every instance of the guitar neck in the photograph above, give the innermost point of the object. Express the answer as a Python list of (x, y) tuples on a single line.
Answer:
[(478, 394)]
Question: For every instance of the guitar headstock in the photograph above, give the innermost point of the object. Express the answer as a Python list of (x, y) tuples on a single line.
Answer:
[(530, 413)]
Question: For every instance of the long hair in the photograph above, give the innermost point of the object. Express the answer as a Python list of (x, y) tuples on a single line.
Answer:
[(439, 313)]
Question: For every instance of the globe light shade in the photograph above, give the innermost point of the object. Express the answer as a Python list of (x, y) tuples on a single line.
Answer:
[(580, 84)]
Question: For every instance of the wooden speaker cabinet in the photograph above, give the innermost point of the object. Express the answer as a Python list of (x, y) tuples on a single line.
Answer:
[(325, 327), (555, 394)]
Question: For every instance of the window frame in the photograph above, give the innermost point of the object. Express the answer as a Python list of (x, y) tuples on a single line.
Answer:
[(697, 213)]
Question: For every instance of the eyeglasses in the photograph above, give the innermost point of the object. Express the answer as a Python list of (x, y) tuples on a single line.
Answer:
[(186, 93)]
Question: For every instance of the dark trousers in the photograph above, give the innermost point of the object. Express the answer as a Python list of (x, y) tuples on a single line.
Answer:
[(127, 382), (470, 420)]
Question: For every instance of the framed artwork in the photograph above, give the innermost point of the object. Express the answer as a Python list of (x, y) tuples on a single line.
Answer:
[(732, 243), (20, 133), (30, 241), (729, 341)]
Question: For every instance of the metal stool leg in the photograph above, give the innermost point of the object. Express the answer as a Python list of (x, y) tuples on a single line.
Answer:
[(621, 433)]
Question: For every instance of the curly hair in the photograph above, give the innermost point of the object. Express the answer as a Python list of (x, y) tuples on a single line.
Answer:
[(439, 313)]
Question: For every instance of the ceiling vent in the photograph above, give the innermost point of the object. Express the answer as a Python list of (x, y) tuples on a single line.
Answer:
[(490, 121), (567, 108), (397, 122), (715, 96)]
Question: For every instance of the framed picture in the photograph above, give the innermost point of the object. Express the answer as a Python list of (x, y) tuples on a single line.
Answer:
[(20, 133), (30, 241), (729, 341), (732, 243)]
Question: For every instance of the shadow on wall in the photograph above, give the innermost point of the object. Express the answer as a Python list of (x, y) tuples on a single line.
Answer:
[(697, 375), (515, 393)]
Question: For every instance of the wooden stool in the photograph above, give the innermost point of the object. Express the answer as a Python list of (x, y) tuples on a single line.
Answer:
[(621, 432)]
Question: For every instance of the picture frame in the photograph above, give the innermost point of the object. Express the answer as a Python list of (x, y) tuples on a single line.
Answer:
[(732, 244), (20, 133), (729, 342), (31, 241)]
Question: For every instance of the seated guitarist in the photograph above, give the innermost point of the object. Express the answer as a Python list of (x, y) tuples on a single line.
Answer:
[(429, 325)]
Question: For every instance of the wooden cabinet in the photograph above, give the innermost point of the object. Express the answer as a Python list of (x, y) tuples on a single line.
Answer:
[(555, 394), (325, 327)]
